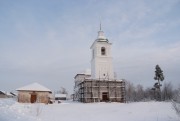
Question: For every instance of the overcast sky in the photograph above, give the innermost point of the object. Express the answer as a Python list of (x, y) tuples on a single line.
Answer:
[(48, 41)]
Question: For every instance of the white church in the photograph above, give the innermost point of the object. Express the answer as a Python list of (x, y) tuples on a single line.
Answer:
[(99, 84)]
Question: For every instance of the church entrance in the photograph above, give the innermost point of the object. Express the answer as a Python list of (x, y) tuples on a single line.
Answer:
[(33, 97), (105, 97)]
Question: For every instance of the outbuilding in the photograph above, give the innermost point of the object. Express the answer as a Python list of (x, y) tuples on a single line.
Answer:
[(60, 96), (3, 94), (34, 93)]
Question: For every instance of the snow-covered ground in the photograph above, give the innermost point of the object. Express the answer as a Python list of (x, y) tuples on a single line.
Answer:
[(10, 110)]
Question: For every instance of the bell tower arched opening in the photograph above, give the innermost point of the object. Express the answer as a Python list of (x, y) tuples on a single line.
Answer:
[(103, 51)]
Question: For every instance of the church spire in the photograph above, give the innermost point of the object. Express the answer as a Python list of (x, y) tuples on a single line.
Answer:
[(101, 36)]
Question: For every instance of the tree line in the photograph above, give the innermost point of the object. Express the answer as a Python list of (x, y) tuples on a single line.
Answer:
[(156, 92), (137, 93)]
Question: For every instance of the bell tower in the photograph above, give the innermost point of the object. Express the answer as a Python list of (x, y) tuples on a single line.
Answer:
[(101, 62)]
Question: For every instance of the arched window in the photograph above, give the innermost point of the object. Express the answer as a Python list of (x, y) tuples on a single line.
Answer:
[(103, 51)]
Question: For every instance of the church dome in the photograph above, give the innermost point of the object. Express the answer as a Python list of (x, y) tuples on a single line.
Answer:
[(101, 37)]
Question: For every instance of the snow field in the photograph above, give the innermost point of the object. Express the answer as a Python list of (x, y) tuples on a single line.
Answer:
[(70, 111)]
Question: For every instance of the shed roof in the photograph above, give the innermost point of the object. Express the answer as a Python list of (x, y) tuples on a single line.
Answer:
[(8, 94), (2, 92), (60, 95), (34, 87)]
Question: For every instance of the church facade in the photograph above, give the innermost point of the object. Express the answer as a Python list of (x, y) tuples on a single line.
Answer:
[(101, 84)]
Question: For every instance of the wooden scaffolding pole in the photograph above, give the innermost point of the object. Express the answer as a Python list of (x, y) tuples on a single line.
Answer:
[(115, 91)]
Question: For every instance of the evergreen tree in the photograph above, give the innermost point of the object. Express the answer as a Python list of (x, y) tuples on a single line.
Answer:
[(159, 77)]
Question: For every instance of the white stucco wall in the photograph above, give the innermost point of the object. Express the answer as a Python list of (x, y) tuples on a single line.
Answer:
[(101, 65)]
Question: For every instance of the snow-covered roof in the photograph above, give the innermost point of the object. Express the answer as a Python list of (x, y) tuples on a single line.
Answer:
[(60, 95), (6, 93), (34, 87), (100, 38), (2, 92), (9, 94), (13, 93), (87, 72)]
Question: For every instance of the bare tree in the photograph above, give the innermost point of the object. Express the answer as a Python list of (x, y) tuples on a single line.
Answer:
[(176, 102), (149, 94), (63, 90), (139, 93), (167, 91), (130, 92), (176, 95)]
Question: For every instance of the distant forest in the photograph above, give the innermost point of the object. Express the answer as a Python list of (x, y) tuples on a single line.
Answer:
[(137, 93)]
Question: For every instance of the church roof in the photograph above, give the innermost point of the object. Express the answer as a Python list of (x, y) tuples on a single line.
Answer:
[(34, 87), (101, 37)]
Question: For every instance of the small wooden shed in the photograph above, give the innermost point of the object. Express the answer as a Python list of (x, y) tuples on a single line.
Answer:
[(60, 96), (3, 94), (34, 93)]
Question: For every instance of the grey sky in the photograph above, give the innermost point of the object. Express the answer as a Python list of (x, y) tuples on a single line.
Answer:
[(49, 42)]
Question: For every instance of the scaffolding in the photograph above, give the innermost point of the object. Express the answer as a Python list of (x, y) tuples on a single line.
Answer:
[(91, 90)]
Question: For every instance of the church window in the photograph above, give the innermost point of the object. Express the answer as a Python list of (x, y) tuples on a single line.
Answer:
[(103, 51)]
